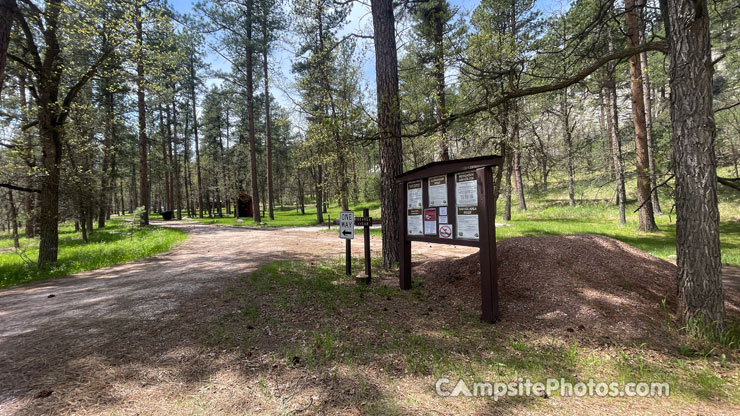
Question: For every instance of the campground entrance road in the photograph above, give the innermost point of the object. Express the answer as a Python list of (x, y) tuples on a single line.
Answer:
[(98, 339)]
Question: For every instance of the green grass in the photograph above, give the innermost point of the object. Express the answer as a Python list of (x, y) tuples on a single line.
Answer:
[(323, 320), (544, 218), (112, 245), (289, 217), (549, 214)]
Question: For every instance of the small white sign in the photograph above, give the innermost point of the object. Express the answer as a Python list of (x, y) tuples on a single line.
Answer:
[(442, 211), (445, 231), (347, 225)]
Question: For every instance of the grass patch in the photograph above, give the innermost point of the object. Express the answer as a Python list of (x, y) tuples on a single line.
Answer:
[(289, 217), (312, 316), (547, 218), (111, 245)]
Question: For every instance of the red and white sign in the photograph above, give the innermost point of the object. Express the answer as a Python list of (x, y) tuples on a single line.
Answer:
[(430, 214), (445, 231)]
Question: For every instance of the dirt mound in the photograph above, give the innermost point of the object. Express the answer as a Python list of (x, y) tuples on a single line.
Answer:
[(594, 285)]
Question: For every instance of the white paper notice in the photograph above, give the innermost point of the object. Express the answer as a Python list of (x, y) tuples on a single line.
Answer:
[(414, 222), (443, 219), (438, 191), (466, 189), (442, 211), (467, 223), (413, 192), (430, 227)]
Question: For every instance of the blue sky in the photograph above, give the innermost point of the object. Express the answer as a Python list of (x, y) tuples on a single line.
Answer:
[(360, 21)]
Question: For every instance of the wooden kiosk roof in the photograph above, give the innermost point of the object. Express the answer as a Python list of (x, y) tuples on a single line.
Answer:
[(450, 166)]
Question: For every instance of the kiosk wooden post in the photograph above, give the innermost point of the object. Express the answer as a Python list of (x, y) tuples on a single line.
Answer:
[(366, 240), (451, 217), (488, 269), (404, 257)]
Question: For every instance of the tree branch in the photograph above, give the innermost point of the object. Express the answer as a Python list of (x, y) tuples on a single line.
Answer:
[(18, 188), (730, 182), (579, 76), (727, 107)]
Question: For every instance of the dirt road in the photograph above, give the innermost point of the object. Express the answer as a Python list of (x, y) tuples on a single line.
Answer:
[(100, 339)]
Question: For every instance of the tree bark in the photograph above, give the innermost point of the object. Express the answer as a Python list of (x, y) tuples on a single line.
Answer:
[(568, 139), (107, 144), (508, 163), (170, 163), (268, 136), (175, 144), (648, 113), (389, 124), (29, 198), (516, 157), (439, 75), (649, 130), (700, 292), (164, 130), (250, 116), (141, 106), (8, 9), (13, 219), (320, 195), (612, 121), (197, 143), (644, 200), (50, 160)]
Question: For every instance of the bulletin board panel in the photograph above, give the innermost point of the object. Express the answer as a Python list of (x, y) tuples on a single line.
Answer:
[(467, 213)]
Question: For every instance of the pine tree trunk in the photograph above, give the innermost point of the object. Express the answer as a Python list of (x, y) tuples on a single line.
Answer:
[(700, 292), (389, 124), (197, 143), (616, 148), (649, 130), (648, 112), (439, 75), (250, 117), (170, 163), (83, 224), (49, 213), (186, 167), (29, 199), (176, 143), (164, 130), (320, 195), (13, 219), (508, 163), (644, 200), (568, 139), (268, 138), (107, 144), (516, 158), (141, 106), (7, 10)]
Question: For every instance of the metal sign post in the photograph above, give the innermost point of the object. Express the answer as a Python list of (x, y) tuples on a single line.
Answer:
[(347, 232)]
